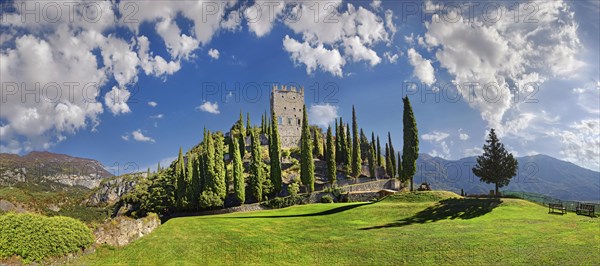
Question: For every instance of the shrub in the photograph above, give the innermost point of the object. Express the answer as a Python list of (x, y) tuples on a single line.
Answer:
[(326, 199), (278, 203), (35, 237), (294, 188)]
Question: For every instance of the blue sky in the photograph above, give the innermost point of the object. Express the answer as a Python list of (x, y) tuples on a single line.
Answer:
[(160, 60)]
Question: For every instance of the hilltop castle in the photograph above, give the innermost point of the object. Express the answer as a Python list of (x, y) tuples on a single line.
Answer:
[(287, 104)]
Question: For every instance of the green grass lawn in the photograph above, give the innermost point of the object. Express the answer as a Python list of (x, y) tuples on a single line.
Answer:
[(411, 228)]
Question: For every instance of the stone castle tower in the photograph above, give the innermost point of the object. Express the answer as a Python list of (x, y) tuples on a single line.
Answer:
[(287, 103)]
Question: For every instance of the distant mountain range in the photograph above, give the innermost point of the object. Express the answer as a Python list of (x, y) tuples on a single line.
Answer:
[(537, 174), (47, 167)]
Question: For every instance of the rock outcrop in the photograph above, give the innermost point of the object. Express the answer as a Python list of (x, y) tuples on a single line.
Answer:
[(111, 190), (123, 230)]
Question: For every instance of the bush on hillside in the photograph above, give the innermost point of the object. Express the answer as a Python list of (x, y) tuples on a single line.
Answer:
[(35, 237), (326, 199)]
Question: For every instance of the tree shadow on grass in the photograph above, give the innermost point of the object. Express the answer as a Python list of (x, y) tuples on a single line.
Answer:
[(447, 209), (327, 212)]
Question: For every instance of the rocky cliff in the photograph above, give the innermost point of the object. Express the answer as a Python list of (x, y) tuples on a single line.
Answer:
[(112, 189), (50, 167)]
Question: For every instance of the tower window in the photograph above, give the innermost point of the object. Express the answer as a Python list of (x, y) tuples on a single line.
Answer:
[(289, 121), (299, 122), (280, 120)]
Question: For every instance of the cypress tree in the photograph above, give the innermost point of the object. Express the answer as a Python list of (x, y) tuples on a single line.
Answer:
[(364, 146), (338, 147), (348, 150), (317, 142), (209, 162), (374, 147), (262, 123), (371, 159), (189, 189), (256, 170), (307, 167), (410, 151), (356, 160), (388, 161), (242, 136), (343, 147), (158, 167), (238, 175), (379, 162), (195, 183), (392, 155), (248, 125), (220, 184), (399, 169), (180, 184), (275, 156), (330, 158)]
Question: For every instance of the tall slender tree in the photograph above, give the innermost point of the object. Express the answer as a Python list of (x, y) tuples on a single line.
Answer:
[(256, 170), (410, 151), (378, 151), (496, 165), (374, 148), (392, 155), (210, 176), (399, 168), (195, 183), (307, 167), (388, 161), (180, 184), (371, 159), (248, 125), (338, 146), (275, 156), (317, 142), (239, 184), (348, 150), (356, 159), (364, 146), (343, 147), (220, 184), (330, 158)]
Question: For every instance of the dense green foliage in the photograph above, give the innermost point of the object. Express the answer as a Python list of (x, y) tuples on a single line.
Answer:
[(238, 175), (317, 142), (392, 167), (307, 165), (371, 159), (275, 156), (34, 237), (421, 228), (378, 152), (496, 165), (348, 154), (256, 170), (330, 175), (356, 154), (410, 150)]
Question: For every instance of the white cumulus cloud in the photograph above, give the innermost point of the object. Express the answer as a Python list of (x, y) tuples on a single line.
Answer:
[(322, 114), (139, 136), (214, 53), (209, 107), (423, 69)]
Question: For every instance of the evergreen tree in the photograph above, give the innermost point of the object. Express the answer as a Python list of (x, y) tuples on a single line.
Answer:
[(210, 175), (410, 151), (239, 184), (343, 147), (348, 154), (388, 161), (496, 165), (356, 160), (241, 136), (307, 166), (248, 125), (379, 161), (374, 148), (180, 177), (158, 167), (317, 142), (275, 156), (220, 184), (195, 183), (364, 146), (330, 158), (371, 159), (256, 170), (338, 147), (262, 124), (392, 156), (399, 168), (189, 190)]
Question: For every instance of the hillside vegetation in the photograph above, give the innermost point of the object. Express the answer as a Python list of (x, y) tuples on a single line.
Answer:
[(410, 228)]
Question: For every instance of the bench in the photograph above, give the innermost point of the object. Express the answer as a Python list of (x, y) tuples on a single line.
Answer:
[(585, 208), (556, 206)]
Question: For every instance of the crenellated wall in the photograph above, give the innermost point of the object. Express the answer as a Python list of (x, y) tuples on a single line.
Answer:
[(287, 103)]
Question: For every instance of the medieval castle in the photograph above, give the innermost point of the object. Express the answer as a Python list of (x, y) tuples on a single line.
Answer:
[(287, 104)]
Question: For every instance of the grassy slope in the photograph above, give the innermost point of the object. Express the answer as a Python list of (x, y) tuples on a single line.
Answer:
[(402, 229)]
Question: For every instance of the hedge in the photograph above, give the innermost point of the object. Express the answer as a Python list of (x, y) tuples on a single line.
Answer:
[(34, 237)]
